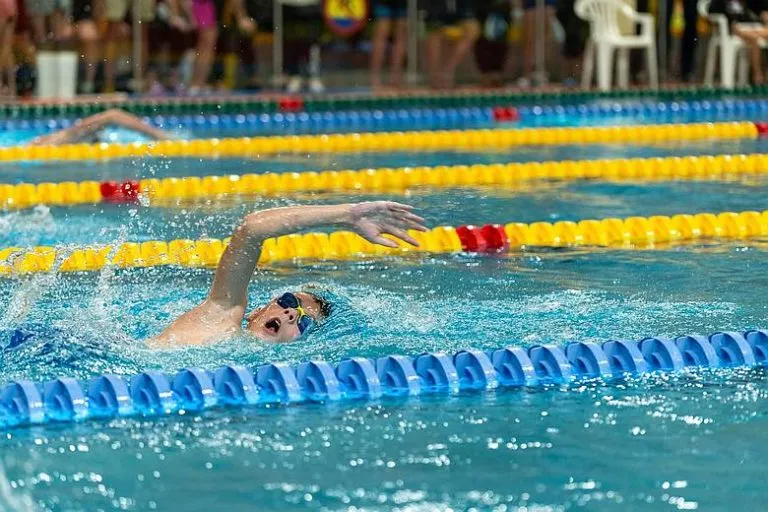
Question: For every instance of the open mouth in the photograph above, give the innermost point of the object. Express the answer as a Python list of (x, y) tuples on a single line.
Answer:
[(273, 325)]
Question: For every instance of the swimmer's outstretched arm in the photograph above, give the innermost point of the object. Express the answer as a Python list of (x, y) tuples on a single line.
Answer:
[(370, 220), (90, 125), (222, 312)]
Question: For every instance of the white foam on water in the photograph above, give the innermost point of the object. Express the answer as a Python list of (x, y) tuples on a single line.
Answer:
[(13, 500), (24, 297)]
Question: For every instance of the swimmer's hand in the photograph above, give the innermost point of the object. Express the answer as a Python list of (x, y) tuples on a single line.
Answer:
[(373, 219)]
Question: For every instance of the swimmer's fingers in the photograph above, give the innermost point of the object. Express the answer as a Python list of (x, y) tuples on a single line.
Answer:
[(386, 242), (399, 208), (412, 221), (401, 234), (415, 226)]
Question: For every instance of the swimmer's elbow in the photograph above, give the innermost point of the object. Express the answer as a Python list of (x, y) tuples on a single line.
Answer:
[(258, 224)]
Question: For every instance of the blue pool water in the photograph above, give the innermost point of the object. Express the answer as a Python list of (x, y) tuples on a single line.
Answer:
[(682, 441)]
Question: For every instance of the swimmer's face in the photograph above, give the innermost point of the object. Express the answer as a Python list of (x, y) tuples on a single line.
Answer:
[(278, 323)]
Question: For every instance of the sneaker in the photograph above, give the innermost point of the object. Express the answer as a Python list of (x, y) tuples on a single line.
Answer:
[(316, 86), (295, 83), (524, 82)]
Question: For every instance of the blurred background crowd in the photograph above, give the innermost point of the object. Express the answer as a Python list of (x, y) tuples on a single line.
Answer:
[(196, 46)]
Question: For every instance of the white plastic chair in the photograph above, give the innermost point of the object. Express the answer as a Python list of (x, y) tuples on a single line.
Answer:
[(730, 47), (605, 37)]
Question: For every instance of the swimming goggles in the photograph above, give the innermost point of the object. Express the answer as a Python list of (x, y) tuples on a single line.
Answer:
[(289, 300)]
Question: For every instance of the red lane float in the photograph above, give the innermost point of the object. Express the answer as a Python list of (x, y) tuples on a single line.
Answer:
[(488, 238), (291, 104), (505, 114), (115, 192), (495, 237), (472, 239)]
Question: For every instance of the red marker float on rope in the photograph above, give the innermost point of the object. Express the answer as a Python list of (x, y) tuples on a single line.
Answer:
[(505, 114), (472, 239), (291, 104), (115, 192)]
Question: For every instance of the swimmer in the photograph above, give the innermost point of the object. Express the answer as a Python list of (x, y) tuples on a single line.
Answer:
[(286, 318), (89, 129)]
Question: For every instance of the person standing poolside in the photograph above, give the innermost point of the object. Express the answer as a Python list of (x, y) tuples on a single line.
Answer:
[(442, 14), (286, 318), (391, 18), (8, 13)]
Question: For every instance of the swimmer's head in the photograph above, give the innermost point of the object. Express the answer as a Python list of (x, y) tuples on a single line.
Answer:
[(288, 317)]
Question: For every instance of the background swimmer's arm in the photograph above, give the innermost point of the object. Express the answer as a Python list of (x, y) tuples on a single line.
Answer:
[(370, 220), (93, 124)]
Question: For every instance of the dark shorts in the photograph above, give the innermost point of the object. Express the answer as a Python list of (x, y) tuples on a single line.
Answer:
[(531, 4), (390, 9), (490, 55), (81, 10), (444, 13), (576, 30)]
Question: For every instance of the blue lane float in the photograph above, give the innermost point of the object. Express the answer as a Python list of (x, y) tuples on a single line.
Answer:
[(296, 123), (649, 111), (154, 393), (431, 118)]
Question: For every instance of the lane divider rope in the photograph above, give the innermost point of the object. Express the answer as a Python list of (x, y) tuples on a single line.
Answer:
[(154, 393), (428, 118), (389, 141), (631, 232), (229, 104), (154, 190)]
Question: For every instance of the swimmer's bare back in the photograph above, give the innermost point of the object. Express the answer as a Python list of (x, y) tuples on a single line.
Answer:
[(85, 128)]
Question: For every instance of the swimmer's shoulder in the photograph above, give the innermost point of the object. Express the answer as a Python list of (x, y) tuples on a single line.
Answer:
[(180, 337)]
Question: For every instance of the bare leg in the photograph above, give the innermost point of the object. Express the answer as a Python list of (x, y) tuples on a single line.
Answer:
[(380, 38), (755, 60), (751, 39), (206, 49), (398, 52), (529, 51), (89, 37), (113, 35), (39, 31), (61, 25), (470, 33), (434, 44), (7, 63)]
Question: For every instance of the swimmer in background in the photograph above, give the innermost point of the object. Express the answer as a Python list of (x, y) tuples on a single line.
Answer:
[(285, 318), (89, 129)]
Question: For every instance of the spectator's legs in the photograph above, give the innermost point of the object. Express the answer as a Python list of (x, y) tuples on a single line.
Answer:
[(296, 62), (381, 32), (145, 48), (434, 49), (88, 34), (398, 52), (529, 46), (690, 37), (690, 34), (61, 25), (470, 33), (529, 38), (39, 29), (7, 62), (206, 51), (114, 34), (752, 38)]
